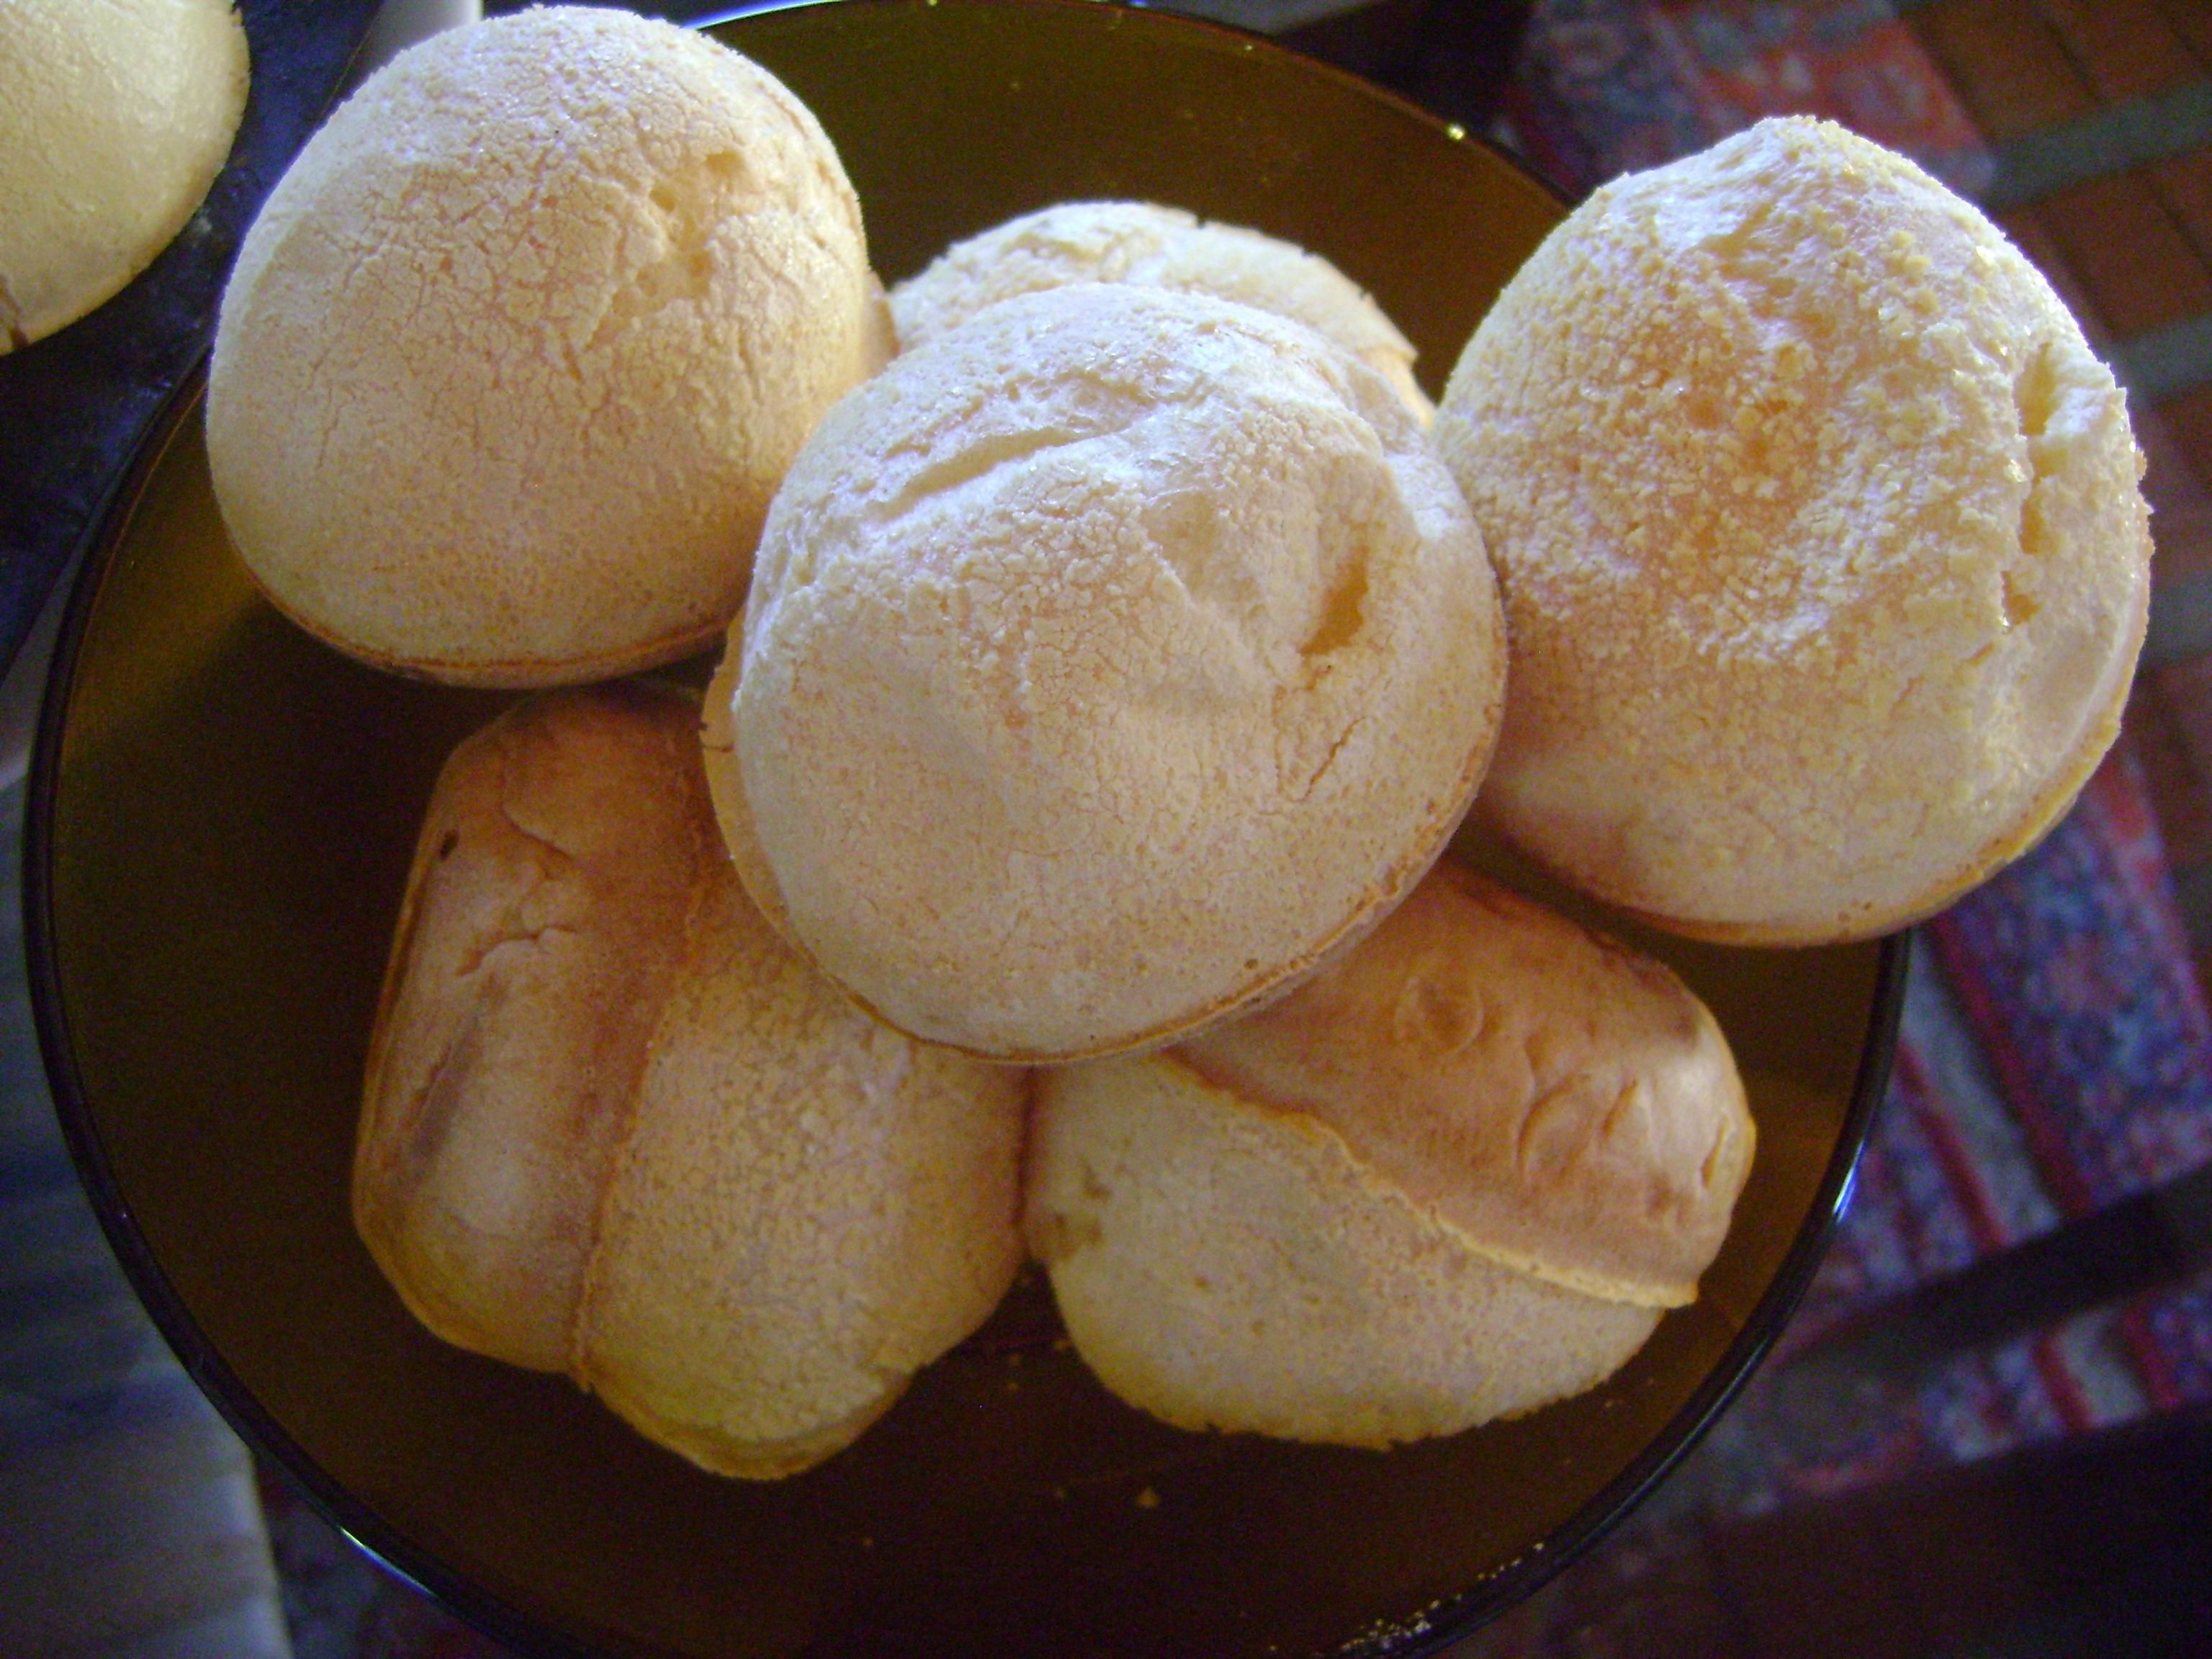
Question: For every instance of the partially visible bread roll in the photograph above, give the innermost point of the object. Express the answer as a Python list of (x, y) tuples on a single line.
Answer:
[(520, 347), (810, 1207), (1154, 246), (543, 917), (1824, 562), (115, 118), (614, 1128), (1454, 1176)]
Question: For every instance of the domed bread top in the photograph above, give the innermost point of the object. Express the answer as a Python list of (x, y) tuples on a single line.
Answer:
[(1818, 524), (519, 348), (114, 119), (614, 1128), (1158, 247), (556, 866), (1109, 661), (1455, 1176), (1224, 1264), (1565, 1105)]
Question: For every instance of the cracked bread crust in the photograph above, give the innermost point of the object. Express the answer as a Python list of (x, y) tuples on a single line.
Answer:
[(1225, 1264), (1819, 528), (808, 1208), (1567, 1105), (1158, 247), (517, 351), (1456, 1175), (613, 1127), (1109, 661)]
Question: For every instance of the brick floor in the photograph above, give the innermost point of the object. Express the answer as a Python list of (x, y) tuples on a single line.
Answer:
[(2125, 48), (2180, 502), (2192, 22), (2006, 63), (2188, 422), (2177, 770), (2184, 185), (2128, 252), (2033, 236)]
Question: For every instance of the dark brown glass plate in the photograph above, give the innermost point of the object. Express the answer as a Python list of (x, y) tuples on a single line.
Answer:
[(221, 819)]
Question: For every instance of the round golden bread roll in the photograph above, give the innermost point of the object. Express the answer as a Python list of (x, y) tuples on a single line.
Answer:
[(114, 119), (1110, 660), (1818, 524), (517, 350), (614, 1128), (1159, 247), (1456, 1175)]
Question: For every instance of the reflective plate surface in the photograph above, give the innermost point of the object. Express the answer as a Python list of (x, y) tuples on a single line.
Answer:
[(222, 817)]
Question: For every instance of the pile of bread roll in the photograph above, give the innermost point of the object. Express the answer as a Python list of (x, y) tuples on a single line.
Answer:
[(1113, 639)]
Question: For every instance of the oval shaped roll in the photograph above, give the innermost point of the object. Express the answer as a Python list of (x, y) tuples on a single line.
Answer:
[(614, 1128), (1457, 1174)]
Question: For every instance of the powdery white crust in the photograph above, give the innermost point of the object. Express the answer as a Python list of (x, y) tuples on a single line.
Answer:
[(808, 1208), (1155, 246), (1224, 1264), (517, 351), (614, 1128), (115, 118), (1109, 660), (1819, 528)]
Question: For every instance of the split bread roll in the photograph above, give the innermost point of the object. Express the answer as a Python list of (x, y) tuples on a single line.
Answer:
[(1454, 1176), (1110, 660), (521, 346), (1824, 562), (614, 1128), (1155, 246), (115, 118)]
